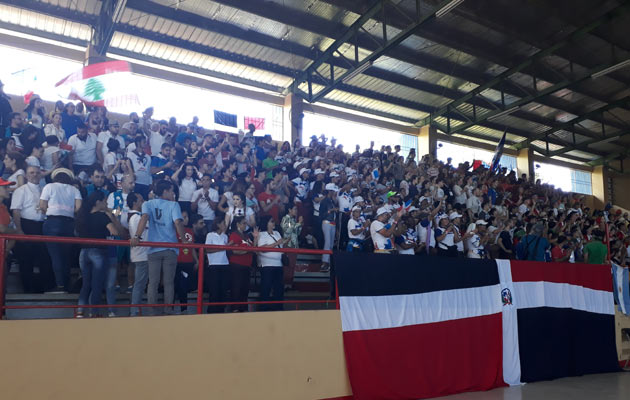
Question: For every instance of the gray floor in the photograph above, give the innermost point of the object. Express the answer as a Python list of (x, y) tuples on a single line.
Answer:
[(589, 387)]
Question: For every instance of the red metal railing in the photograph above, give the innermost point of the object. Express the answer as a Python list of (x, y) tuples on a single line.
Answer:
[(104, 242)]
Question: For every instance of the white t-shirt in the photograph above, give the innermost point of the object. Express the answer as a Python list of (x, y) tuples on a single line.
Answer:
[(186, 189), (156, 141), (409, 237), (522, 209), (141, 167), (84, 151), (138, 253), (104, 137), (239, 212), (474, 247), (354, 224), (422, 235), (60, 197), (109, 161), (203, 207), (51, 130), (14, 176), (345, 201), (26, 199), (380, 242), (219, 257), (47, 161), (268, 259), (474, 203)]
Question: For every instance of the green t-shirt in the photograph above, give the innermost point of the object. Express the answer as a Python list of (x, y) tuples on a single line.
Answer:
[(269, 163), (596, 251)]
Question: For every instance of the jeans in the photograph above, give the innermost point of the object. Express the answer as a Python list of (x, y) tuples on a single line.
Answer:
[(139, 285), (329, 239), (271, 281), (59, 253), (184, 283), (162, 262), (219, 282), (240, 285), (110, 287), (93, 270), (30, 255)]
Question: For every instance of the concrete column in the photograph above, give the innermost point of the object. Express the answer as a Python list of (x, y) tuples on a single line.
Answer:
[(427, 141), (525, 163), (600, 186), (293, 116)]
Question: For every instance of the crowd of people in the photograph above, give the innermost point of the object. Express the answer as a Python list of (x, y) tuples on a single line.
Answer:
[(76, 172)]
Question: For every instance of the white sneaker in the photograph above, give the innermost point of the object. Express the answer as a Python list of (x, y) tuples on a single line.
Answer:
[(111, 314)]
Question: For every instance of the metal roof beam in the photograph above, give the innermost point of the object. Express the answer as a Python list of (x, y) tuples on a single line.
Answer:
[(567, 125), (103, 31), (54, 11), (539, 55)]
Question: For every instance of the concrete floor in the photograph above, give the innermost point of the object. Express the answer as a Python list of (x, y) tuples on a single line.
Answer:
[(588, 387)]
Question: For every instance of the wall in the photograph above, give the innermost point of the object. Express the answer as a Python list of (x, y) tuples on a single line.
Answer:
[(276, 355)]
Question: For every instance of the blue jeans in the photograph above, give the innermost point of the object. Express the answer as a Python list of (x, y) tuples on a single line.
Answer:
[(329, 239), (139, 284), (271, 280), (59, 253), (93, 270), (110, 286)]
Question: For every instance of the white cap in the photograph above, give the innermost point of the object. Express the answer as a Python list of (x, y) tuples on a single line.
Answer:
[(318, 171), (442, 216), (303, 170), (333, 174), (481, 222), (454, 215), (413, 208), (381, 211), (356, 208), (471, 227), (358, 199), (332, 186)]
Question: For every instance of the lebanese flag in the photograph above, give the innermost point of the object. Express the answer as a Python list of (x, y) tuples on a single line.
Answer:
[(259, 123), (106, 84), (419, 327), (561, 320)]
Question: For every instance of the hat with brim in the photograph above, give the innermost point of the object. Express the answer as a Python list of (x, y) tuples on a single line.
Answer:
[(356, 208), (62, 171), (481, 222), (6, 183), (304, 170), (381, 211), (332, 186)]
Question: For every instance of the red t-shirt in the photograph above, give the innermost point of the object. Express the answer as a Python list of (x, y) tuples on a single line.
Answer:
[(185, 255), (557, 253), (267, 199), (240, 259), (5, 218)]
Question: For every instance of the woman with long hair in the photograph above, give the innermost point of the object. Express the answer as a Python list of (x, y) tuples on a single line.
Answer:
[(240, 263), (240, 210), (291, 226), (35, 112), (271, 275), (15, 165), (94, 220), (59, 201), (186, 177), (54, 127)]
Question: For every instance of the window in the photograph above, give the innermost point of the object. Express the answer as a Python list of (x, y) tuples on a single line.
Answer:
[(567, 179), (460, 154), (351, 134)]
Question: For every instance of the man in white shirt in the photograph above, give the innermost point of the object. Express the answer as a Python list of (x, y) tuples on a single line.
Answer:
[(382, 231), (157, 137), (83, 154), (103, 138), (29, 220), (117, 201), (357, 229), (205, 199), (473, 204), (139, 256)]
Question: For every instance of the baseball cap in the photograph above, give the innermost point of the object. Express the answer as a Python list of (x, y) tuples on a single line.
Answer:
[(356, 208), (333, 174), (318, 171), (303, 170), (381, 211), (6, 183), (332, 186), (358, 199), (481, 222), (454, 215)]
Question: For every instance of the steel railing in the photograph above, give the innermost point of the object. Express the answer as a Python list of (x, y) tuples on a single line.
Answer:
[(201, 248)]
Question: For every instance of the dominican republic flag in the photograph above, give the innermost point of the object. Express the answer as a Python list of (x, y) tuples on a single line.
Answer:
[(622, 288), (426, 327), (498, 153), (223, 118), (259, 123), (108, 84)]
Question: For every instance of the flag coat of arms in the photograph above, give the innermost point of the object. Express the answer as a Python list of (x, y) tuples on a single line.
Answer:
[(427, 327), (106, 84)]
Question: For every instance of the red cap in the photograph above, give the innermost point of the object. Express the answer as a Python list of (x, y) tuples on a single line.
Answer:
[(6, 183), (618, 212)]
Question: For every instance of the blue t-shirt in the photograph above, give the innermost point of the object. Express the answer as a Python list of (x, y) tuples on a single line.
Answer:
[(162, 216)]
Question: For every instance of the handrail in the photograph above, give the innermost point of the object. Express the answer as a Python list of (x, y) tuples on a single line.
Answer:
[(125, 243)]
